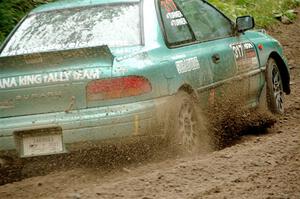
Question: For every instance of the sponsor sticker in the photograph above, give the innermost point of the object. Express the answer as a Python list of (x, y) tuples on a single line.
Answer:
[(174, 15), (46, 78), (187, 65), (178, 22)]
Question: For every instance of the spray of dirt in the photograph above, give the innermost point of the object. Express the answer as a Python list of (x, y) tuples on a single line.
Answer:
[(224, 120), (219, 125), (106, 156), (10, 169), (174, 125), (231, 117)]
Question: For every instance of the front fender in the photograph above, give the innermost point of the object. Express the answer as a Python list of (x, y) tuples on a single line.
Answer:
[(271, 48)]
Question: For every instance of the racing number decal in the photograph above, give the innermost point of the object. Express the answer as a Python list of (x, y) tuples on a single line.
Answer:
[(245, 55), (238, 50)]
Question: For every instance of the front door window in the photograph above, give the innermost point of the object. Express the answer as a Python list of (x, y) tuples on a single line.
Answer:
[(206, 22)]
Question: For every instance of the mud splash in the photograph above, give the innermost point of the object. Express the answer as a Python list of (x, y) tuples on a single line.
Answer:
[(105, 156), (185, 119), (220, 126), (10, 170), (230, 117)]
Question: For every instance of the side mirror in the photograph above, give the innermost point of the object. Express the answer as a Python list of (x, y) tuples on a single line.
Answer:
[(245, 23)]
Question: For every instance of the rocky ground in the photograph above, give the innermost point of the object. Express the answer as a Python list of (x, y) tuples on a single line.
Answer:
[(261, 165)]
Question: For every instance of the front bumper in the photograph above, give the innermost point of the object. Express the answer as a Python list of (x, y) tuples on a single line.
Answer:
[(139, 118)]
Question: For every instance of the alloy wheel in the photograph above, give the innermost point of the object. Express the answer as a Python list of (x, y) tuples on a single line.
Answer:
[(188, 127), (278, 89)]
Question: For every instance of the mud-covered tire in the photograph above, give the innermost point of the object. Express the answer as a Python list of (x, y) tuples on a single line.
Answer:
[(187, 133), (274, 88)]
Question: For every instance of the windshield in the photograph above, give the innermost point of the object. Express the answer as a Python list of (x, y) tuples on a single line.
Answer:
[(112, 25)]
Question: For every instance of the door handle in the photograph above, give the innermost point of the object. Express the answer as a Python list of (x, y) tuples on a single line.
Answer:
[(216, 58)]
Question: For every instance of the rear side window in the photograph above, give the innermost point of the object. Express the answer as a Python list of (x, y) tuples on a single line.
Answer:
[(176, 26), (206, 22)]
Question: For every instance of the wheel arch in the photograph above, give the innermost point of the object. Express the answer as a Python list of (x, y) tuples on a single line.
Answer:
[(188, 89), (284, 71)]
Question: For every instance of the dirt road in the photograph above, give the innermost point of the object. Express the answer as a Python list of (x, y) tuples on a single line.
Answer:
[(258, 166)]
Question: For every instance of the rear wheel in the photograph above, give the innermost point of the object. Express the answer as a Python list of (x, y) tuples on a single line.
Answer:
[(186, 129), (274, 89)]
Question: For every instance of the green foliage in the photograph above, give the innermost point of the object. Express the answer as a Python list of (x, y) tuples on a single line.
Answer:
[(12, 11), (262, 10)]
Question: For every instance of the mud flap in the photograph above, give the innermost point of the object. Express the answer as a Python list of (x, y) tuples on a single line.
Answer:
[(262, 101)]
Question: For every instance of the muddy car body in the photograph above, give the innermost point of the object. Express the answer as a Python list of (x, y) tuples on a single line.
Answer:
[(76, 71)]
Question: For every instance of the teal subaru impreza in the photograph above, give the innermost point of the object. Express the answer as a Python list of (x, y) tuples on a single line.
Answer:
[(78, 71)]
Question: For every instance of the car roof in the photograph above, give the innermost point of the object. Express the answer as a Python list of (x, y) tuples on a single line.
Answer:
[(65, 4)]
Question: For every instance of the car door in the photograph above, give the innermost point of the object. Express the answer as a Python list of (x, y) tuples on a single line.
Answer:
[(232, 56), (191, 62), (223, 56)]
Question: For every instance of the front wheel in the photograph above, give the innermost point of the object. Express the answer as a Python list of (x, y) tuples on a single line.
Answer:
[(275, 94)]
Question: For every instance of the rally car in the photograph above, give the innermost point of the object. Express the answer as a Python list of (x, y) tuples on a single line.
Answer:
[(89, 70)]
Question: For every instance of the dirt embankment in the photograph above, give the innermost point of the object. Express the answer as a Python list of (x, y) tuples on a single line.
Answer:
[(258, 166)]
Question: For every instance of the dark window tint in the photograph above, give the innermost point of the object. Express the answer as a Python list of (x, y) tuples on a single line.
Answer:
[(206, 22)]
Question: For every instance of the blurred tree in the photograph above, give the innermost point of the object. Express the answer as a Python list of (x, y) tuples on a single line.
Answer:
[(12, 11)]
